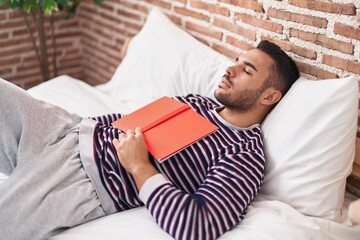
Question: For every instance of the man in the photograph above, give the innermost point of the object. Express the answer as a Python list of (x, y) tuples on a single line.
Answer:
[(65, 170)]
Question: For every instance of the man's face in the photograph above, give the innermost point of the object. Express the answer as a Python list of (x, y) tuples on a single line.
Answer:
[(244, 82)]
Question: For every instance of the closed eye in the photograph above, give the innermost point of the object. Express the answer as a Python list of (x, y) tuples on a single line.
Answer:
[(247, 72), (247, 64)]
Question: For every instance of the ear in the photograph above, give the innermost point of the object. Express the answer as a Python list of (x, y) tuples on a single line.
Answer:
[(270, 96)]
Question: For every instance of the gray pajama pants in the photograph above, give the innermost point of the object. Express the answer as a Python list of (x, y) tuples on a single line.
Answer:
[(48, 189)]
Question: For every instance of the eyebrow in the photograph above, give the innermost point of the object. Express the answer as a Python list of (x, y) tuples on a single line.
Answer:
[(247, 64), (250, 65)]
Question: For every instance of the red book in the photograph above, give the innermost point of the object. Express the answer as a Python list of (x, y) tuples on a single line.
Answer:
[(168, 126)]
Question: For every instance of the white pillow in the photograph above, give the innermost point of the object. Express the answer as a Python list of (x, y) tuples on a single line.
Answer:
[(164, 60), (310, 143)]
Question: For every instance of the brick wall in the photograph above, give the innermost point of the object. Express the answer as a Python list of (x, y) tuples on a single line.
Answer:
[(323, 36), (18, 61)]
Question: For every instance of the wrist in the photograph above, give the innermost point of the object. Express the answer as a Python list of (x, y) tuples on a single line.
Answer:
[(143, 173)]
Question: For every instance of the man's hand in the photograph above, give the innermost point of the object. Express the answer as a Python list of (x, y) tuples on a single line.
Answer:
[(133, 155)]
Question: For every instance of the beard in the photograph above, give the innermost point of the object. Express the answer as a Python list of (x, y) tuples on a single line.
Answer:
[(243, 101)]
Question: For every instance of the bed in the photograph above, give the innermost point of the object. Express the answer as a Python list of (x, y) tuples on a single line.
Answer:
[(309, 137)]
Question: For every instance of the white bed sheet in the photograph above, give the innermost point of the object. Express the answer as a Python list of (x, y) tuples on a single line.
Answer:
[(264, 220), (77, 97)]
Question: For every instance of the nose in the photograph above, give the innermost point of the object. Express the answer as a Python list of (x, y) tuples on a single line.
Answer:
[(231, 71)]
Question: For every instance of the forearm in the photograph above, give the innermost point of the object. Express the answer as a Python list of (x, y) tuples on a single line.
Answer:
[(216, 206)]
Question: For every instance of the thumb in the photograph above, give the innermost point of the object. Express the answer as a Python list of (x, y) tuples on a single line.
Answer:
[(115, 142)]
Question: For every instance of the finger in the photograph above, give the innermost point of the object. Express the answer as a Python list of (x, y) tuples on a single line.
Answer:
[(122, 136), (138, 131), (129, 132)]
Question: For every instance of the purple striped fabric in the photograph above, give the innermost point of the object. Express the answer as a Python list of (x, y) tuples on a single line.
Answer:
[(211, 182)]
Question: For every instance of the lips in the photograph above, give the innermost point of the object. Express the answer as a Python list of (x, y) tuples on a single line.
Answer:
[(225, 83)]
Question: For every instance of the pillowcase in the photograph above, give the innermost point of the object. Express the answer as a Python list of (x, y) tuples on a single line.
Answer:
[(309, 142), (164, 60)]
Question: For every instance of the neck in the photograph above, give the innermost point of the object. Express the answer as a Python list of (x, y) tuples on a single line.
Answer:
[(242, 119)]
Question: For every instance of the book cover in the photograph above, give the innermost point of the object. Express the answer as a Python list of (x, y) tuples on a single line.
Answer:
[(168, 126)]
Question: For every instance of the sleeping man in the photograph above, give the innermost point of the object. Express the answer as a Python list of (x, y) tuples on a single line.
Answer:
[(65, 170)]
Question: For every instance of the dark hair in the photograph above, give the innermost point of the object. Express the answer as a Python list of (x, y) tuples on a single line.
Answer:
[(285, 71)]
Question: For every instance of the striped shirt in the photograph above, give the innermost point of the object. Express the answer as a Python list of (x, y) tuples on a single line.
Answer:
[(209, 185)]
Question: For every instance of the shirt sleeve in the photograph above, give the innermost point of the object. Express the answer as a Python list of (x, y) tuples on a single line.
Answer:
[(107, 119), (218, 205)]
